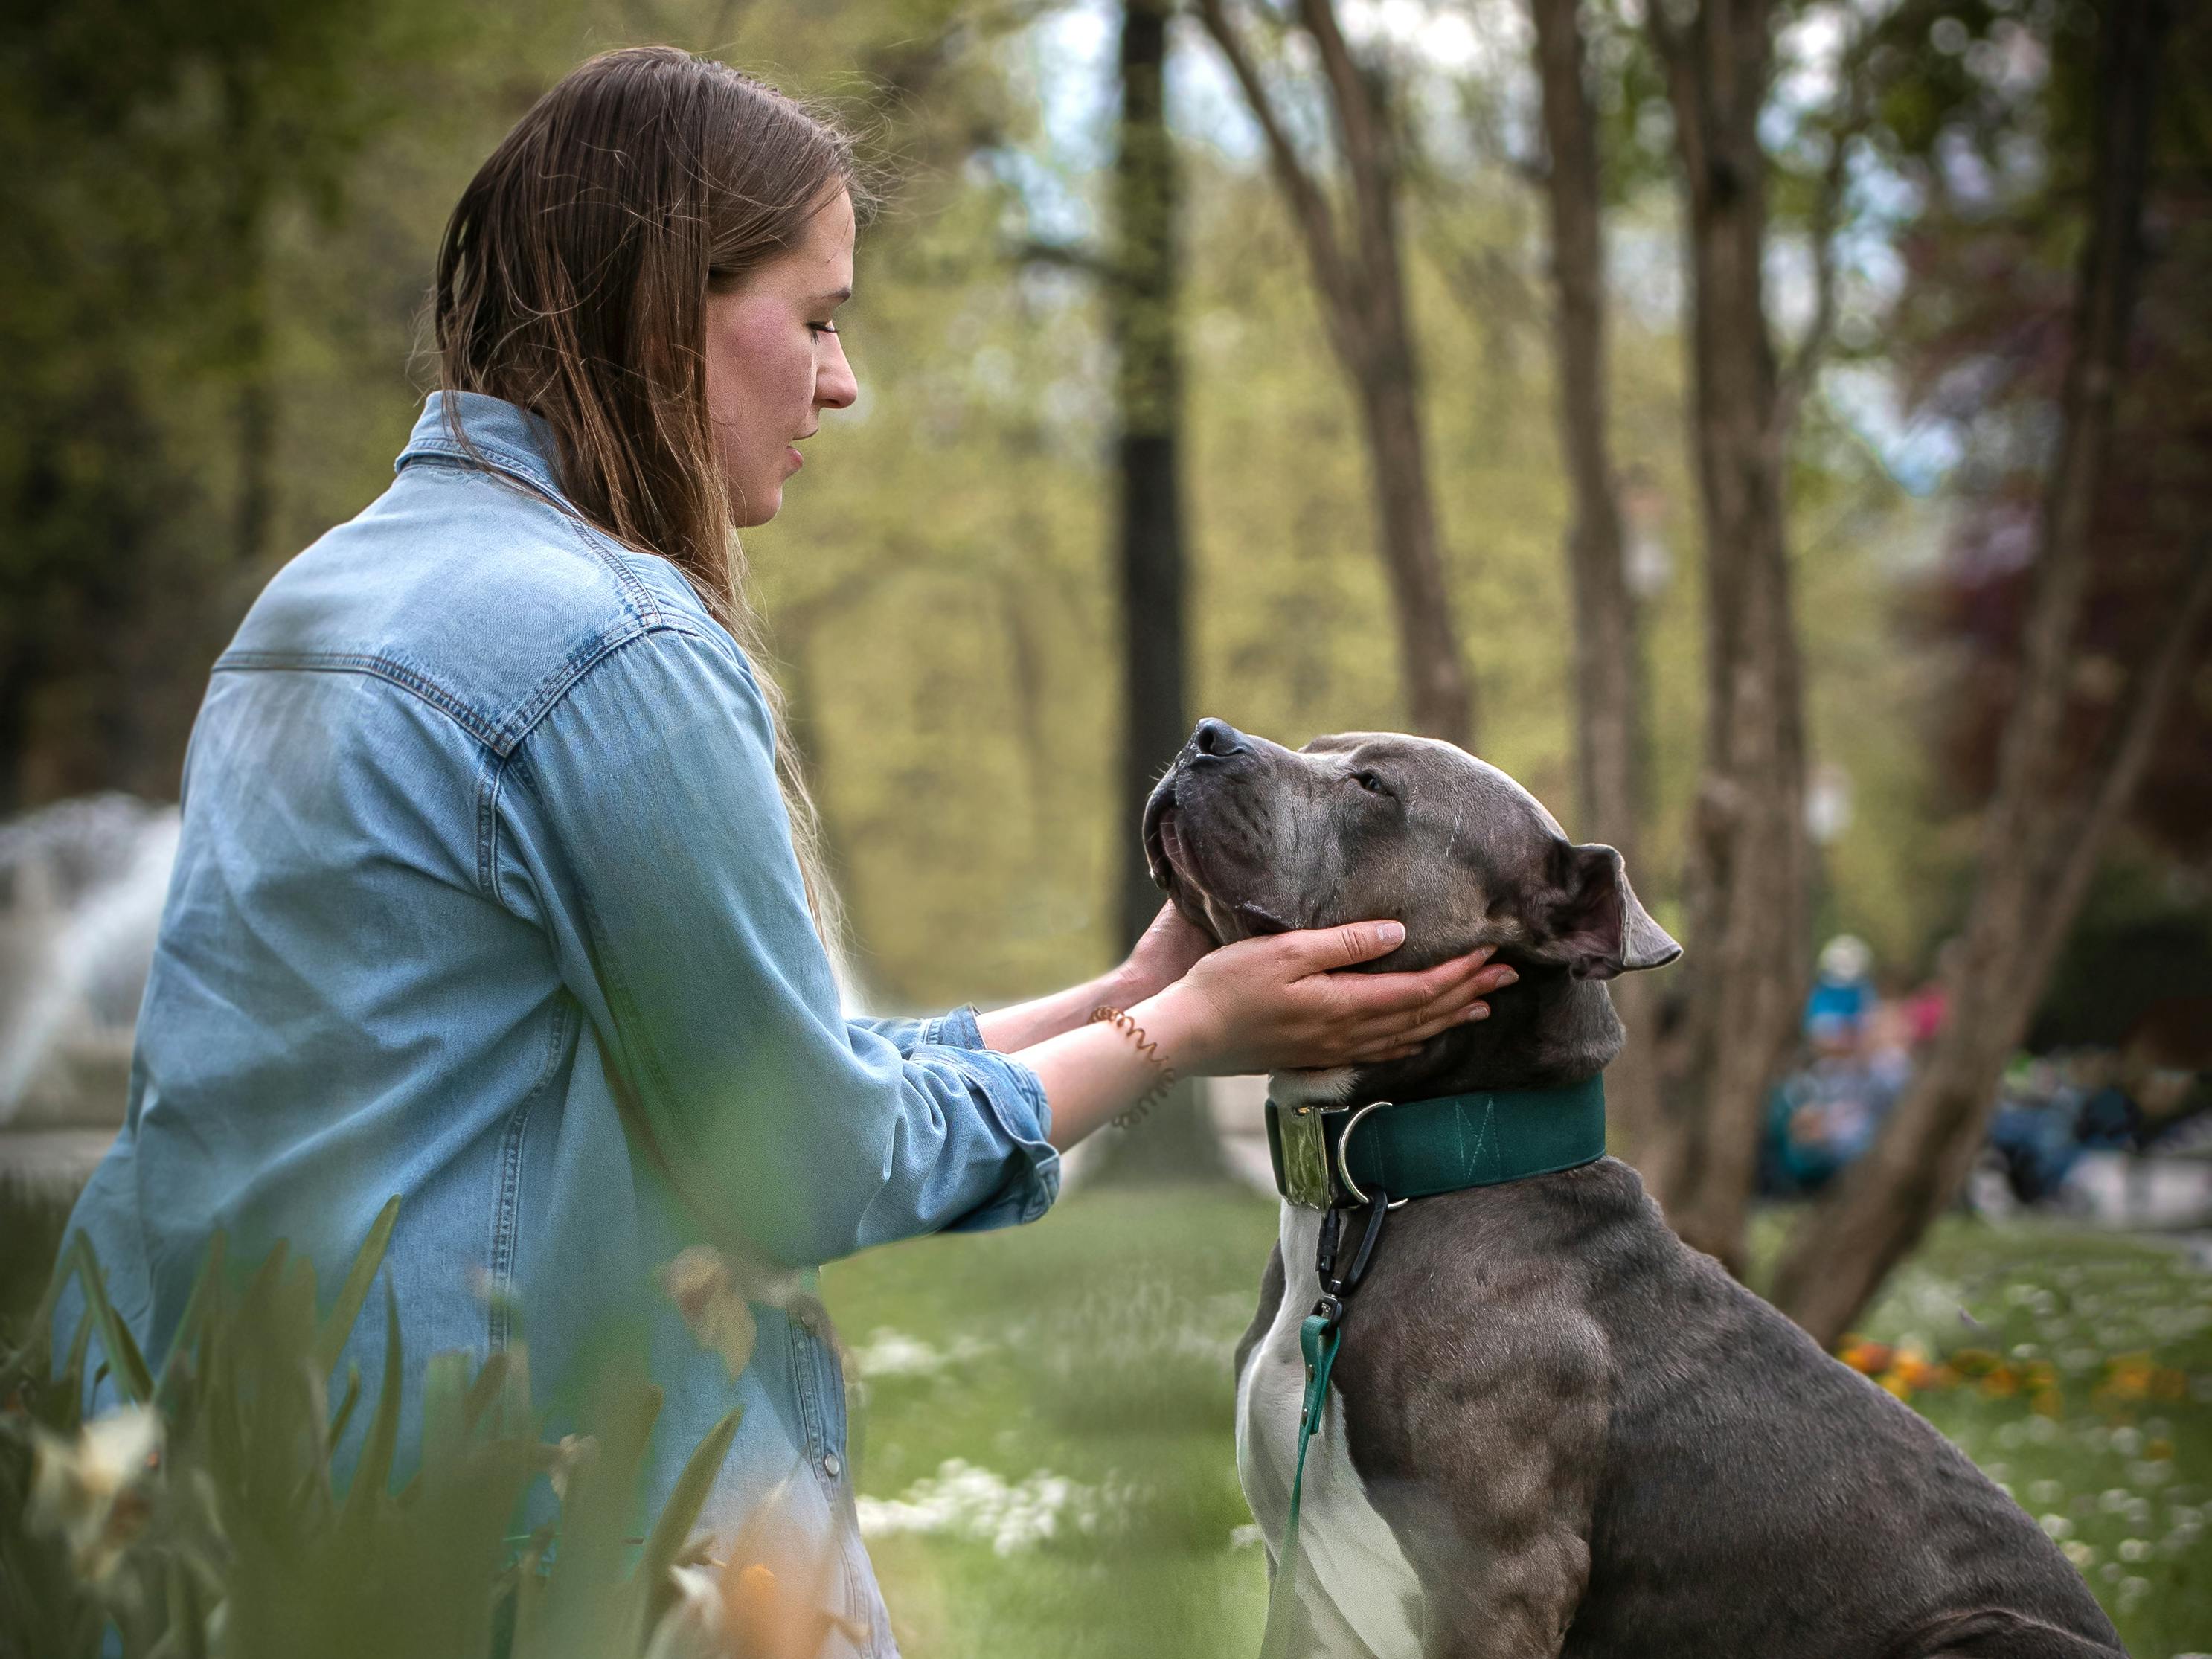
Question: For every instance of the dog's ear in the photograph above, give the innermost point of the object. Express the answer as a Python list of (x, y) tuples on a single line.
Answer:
[(1589, 919)]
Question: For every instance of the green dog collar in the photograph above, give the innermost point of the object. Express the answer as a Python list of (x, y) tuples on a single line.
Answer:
[(1328, 1157)]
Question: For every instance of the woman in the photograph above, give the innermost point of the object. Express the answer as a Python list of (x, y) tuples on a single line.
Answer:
[(489, 895)]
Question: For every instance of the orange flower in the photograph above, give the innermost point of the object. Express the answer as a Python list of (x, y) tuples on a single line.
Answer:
[(1871, 1359)]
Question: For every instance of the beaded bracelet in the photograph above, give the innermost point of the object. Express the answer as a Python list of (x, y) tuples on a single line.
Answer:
[(1150, 1051)]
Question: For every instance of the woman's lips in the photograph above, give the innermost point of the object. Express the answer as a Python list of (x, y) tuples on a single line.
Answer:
[(798, 461)]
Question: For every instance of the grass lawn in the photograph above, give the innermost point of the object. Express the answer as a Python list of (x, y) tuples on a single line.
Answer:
[(1042, 1419)]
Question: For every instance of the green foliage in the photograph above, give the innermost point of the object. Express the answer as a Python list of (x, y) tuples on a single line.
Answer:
[(229, 1525), (144, 152)]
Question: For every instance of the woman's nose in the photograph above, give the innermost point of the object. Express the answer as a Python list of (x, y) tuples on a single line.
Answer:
[(836, 387)]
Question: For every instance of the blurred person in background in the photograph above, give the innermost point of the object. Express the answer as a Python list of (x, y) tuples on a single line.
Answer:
[(1843, 995), (1826, 1112), (498, 889)]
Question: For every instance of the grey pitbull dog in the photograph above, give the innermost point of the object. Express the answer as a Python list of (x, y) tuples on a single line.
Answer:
[(1554, 1428)]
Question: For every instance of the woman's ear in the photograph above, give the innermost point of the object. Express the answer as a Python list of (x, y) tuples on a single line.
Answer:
[(1588, 916)]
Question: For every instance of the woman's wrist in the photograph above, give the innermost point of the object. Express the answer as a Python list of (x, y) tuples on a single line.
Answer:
[(1024, 1024), (1121, 987), (1181, 1023)]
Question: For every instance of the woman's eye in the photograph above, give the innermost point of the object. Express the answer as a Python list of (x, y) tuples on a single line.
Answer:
[(823, 328)]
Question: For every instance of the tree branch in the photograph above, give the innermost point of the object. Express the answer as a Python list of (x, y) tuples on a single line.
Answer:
[(1673, 53), (1307, 204), (2079, 842), (1803, 367), (1064, 256), (1365, 145), (2104, 310)]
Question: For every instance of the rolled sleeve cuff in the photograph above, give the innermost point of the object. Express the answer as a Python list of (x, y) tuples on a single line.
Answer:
[(958, 1029), (1015, 1097)]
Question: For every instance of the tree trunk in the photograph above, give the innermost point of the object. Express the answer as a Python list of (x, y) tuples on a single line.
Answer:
[(1438, 700), (2040, 842), (1745, 886), (1607, 657), (1141, 306), (1176, 1140), (1359, 280)]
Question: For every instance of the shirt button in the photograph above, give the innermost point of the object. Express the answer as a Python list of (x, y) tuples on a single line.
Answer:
[(807, 1324), (831, 1464)]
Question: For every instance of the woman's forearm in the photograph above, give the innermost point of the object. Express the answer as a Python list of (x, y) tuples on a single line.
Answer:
[(1091, 1073), (1026, 1024)]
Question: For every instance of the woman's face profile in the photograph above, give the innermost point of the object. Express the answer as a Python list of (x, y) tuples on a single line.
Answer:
[(775, 362)]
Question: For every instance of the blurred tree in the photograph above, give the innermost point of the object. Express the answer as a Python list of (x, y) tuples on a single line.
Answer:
[(1143, 288), (144, 151), (1747, 877), (1357, 259), (2064, 775), (1608, 678), (1142, 300)]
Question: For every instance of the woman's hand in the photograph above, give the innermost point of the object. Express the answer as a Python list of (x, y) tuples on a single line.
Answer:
[(1277, 1003), (1168, 951)]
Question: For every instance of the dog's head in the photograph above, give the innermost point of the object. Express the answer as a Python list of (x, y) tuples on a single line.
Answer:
[(1249, 837)]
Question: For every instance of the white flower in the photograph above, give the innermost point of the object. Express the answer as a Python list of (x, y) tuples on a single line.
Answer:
[(573, 1453), (963, 1501), (692, 1628), (94, 1491)]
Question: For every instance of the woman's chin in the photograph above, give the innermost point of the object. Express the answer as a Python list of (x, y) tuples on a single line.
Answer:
[(757, 508)]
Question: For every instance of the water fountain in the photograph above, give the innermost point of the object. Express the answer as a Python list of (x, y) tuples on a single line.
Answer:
[(81, 884)]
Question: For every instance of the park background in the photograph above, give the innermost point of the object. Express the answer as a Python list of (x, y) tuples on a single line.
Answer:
[(1794, 476)]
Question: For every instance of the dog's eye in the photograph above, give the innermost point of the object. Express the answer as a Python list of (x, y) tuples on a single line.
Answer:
[(1370, 783)]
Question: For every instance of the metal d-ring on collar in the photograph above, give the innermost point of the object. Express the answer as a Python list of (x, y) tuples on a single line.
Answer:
[(1344, 1160)]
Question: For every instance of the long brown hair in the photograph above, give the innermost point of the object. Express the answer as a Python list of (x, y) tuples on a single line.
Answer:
[(572, 279)]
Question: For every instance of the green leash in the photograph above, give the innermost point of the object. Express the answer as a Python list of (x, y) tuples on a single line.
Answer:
[(1318, 1338), (1417, 1150)]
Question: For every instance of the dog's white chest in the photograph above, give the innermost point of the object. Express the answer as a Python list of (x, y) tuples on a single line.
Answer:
[(1355, 1583)]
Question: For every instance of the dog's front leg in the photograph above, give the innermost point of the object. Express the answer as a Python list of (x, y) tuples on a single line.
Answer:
[(1509, 1598), (1486, 1465)]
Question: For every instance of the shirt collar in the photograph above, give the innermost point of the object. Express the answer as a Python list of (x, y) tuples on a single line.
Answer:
[(503, 433)]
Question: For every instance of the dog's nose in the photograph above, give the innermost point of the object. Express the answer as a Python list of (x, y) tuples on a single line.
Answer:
[(1219, 739)]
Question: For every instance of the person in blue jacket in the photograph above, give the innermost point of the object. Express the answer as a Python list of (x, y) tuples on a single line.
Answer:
[(497, 892)]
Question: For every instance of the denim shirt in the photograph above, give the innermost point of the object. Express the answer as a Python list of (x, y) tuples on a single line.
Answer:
[(486, 897)]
